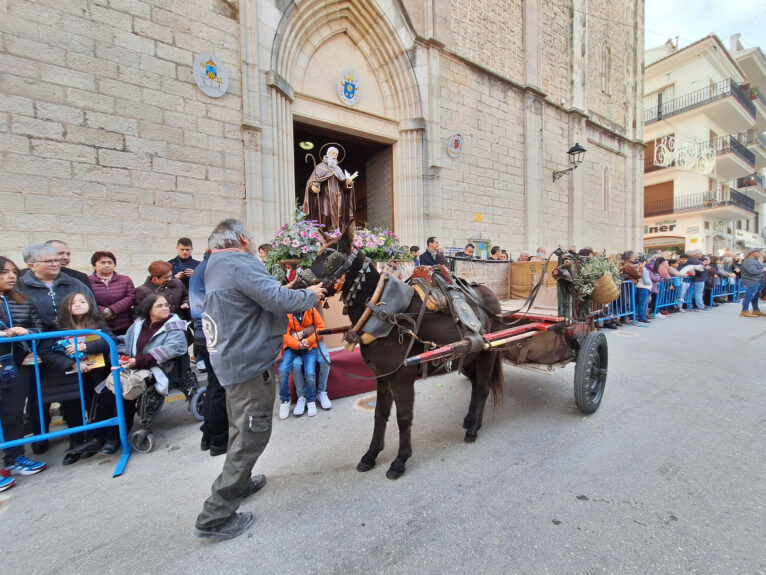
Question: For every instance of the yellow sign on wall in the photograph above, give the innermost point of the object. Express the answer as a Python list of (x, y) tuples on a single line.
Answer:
[(477, 217)]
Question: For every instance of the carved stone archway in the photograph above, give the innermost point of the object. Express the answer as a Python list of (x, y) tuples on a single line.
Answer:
[(384, 37)]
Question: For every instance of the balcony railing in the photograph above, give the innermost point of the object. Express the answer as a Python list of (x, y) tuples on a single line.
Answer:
[(726, 144), (753, 180), (699, 98), (753, 137), (692, 202)]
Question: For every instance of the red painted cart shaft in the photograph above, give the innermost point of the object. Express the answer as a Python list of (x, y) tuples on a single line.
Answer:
[(491, 340), (331, 330)]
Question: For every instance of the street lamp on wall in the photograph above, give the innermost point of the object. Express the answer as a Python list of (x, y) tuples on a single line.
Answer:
[(576, 155)]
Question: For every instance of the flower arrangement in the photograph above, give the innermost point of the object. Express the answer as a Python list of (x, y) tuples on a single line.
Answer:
[(299, 240), (380, 245)]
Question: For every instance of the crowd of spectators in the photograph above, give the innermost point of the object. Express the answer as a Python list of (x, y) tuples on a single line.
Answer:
[(705, 272), (47, 295)]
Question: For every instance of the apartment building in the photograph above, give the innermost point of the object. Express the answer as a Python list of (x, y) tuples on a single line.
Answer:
[(704, 116)]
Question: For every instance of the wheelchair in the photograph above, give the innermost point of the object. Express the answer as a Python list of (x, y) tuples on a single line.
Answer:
[(149, 404)]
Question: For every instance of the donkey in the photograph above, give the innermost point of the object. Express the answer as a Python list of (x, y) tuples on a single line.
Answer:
[(385, 356)]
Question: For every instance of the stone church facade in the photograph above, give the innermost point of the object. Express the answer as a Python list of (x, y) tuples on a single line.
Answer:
[(108, 143)]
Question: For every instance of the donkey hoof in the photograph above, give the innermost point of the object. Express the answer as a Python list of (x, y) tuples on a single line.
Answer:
[(364, 466), (394, 474), (470, 437)]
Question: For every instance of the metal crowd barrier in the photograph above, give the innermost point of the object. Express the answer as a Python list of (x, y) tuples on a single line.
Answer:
[(669, 294), (118, 421), (723, 288), (623, 306)]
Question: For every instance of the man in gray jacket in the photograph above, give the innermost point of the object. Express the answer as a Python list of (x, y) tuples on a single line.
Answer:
[(244, 318)]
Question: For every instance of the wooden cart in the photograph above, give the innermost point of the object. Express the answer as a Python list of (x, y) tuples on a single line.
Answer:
[(552, 330)]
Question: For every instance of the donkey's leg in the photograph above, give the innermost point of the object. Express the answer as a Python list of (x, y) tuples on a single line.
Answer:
[(470, 372), (382, 412), (483, 369), (404, 396)]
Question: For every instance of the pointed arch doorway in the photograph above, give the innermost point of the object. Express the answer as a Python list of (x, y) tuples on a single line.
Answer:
[(312, 48), (373, 188)]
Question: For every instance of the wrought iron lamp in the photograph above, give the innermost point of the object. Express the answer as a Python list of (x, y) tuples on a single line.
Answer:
[(576, 155)]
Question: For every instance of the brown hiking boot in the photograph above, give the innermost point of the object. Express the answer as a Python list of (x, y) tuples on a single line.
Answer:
[(748, 314)]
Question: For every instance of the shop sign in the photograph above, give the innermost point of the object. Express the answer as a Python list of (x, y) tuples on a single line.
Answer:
[(660, 227)]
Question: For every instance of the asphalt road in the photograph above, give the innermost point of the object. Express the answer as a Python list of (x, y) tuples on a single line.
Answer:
[(667, 477)]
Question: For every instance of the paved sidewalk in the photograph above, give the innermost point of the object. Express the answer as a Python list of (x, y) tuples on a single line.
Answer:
[(667, 477)]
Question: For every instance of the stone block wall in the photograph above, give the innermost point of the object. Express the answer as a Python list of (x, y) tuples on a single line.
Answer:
[(488, 177), (556, 47), (615, 33), (490, 34), (105, 140)]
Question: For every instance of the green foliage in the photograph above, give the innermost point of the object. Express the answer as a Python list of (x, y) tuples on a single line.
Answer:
[(591, 269)]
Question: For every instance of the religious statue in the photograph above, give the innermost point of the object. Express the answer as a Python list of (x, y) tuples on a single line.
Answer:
[(329, 196)]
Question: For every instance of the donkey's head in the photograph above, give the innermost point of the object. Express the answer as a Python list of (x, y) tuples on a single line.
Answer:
[(335, 259)]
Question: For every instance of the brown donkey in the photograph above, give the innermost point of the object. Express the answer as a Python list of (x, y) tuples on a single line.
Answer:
[(385, 356)]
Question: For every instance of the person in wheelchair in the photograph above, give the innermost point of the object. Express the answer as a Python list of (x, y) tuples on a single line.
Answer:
[(156, 342)]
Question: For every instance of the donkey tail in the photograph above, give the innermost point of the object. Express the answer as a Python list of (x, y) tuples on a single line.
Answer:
[(497, 381)]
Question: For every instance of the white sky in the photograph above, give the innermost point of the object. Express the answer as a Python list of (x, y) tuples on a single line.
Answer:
[(692, 20)]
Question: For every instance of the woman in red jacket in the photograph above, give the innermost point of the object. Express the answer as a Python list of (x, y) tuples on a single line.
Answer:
[(115, 293), (300, 348)]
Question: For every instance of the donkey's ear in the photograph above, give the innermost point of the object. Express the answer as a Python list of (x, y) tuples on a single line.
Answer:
[(350, 231), (325, 238)]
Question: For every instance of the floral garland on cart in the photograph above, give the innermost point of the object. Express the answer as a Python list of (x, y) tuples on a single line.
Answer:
[(297, 244)]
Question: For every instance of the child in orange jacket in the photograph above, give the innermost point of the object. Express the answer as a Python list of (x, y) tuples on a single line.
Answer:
[(300, 348)]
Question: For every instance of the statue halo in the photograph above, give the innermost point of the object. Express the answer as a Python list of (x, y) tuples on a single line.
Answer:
[(337, 145)]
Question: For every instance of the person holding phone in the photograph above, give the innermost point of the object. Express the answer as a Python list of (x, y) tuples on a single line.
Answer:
[(183, 264)]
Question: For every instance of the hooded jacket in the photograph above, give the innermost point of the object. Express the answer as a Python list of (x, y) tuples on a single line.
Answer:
[(245, 315), (310, 317), (168, 343), (48, 300)]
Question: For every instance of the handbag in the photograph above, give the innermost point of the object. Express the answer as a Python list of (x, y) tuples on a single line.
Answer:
[(133, 382), (8, 371)]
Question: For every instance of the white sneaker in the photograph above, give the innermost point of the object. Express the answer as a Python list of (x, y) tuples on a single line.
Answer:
[(312, 408), (284, 409), (324, 401), (201, 366), (300, 406)]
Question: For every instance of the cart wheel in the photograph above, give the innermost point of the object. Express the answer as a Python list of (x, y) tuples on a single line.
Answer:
[(590, 372), (142, 440), (198, 403)]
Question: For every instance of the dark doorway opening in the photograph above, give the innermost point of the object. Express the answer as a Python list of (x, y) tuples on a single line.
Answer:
[(373, 160)]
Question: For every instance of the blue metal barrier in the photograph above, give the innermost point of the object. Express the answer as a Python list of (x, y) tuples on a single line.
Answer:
[(623, 306), (119, 420), (723, 288), (668, 293)]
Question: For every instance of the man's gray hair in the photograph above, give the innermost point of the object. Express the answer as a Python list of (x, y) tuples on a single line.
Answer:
[(36, 252), (696, 252), (227, 235)]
